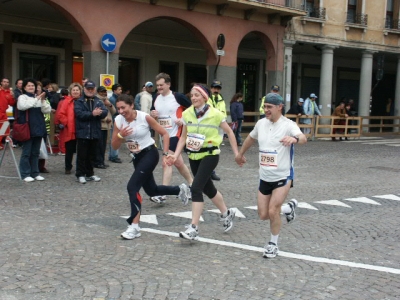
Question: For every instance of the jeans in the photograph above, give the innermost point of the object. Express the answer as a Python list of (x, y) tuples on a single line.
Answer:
[(101, 148), (29, 162), (112, 154), (238, 131)]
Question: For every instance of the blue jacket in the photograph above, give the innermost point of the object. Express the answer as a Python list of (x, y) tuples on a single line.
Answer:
[(88, 126), (307, 107), (236, 111), (29, 104)]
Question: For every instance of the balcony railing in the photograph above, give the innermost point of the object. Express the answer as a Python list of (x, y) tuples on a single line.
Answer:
[(317, 12), (358, 18), (296, 4), (392, 24)]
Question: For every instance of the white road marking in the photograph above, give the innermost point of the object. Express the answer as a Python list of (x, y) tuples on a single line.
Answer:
[(237, 214), (390, 197), (333, 202), (283, 254), (363, 200), (306, 205), (252, 207), (185, 214)]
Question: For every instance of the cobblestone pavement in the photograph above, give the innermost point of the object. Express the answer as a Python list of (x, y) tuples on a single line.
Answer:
[(61, 239)]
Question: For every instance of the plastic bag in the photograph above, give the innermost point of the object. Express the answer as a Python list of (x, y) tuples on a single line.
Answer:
[(43, 151)]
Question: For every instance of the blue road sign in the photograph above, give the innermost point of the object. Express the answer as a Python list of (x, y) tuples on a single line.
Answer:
[(108, 42)]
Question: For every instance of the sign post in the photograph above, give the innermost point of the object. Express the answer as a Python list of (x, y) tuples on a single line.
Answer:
[(108, 43)]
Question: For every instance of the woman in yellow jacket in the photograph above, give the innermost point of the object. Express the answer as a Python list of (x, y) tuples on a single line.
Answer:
[(203, 127)]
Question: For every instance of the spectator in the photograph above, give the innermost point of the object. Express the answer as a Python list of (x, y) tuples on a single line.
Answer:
[(116, 91), (66, 116), (340, 111), (106, 124), (237, 116), (6, 99), (310, 109), (137, 104), (35, 106), (146, 97), (89, 111)]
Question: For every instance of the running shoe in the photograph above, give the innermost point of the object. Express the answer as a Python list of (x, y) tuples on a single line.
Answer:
[(158, 199), (29, 179), (191, 233), (271, 250), (292, 215), (39, 178), (82, 179), (131, 233), (228, 220), (185, 194), (93, 178)]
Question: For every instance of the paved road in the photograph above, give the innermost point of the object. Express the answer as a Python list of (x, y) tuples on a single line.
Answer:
[(61, 240)]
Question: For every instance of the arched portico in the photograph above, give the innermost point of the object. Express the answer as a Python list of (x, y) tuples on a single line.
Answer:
[(123, 16)]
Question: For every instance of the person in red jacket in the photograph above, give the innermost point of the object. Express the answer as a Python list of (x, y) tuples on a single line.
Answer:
[(66, 117), (6, 99)]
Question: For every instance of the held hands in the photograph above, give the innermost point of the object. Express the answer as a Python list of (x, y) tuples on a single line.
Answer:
[(288, 140), (240, 159), (169, 159), (179, 122)]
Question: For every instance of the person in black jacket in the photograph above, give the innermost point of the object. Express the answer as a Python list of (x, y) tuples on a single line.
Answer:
[(89, 111), (297, 109)]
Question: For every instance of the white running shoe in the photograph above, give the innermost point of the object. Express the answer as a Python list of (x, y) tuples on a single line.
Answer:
[(39, 178), (158, 199), (271, 250), (29, 179), (131, 233), (82, 180), (93, 178), (191, 232), (292, 215), (228, 220), (185, 194)]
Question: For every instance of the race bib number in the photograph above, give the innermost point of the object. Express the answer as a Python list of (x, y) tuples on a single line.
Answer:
[(194, 141), (133, 146), (165, 122), (269, 158)]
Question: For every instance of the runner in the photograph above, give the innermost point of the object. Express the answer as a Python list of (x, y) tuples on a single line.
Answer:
[(203, 127), (276, 137), (167, 109), (133, 128)]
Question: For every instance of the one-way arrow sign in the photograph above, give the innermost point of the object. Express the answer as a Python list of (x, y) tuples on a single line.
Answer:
[(108, 42)]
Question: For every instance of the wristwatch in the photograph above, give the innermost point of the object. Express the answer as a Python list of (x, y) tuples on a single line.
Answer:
[(296, 137), (165, 153)]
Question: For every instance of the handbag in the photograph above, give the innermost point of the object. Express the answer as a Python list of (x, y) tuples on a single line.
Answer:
[(21, 132)]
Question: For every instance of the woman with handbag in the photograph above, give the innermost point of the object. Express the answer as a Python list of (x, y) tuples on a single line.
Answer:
[(31, 109)]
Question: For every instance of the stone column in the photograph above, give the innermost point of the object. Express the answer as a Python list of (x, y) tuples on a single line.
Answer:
[(94, 64), (397, 95), (287, 83), (365, 84), (325, 90)]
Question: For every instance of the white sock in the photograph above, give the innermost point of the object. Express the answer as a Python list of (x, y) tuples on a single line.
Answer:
[(136, 226), (274, 239), (286, 209)]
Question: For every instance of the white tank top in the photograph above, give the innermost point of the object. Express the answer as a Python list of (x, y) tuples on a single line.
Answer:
[(141, 129)]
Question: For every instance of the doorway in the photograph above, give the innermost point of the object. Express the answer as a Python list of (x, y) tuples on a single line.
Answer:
[(38, 66)]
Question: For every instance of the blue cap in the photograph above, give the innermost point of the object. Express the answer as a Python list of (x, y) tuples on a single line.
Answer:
[(274, 98)]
